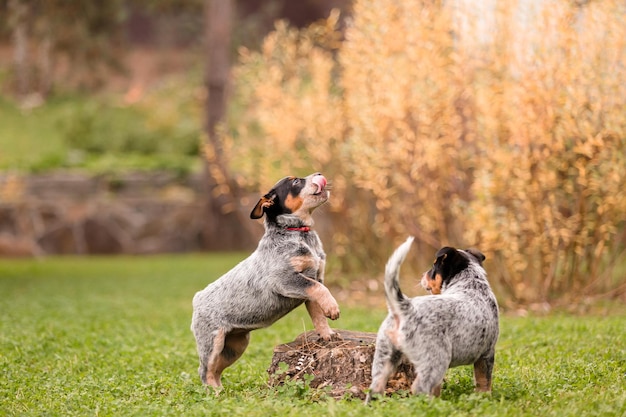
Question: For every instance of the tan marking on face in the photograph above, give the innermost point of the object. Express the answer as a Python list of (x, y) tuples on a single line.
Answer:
[(300, 263), (293, 203), (433, 284)]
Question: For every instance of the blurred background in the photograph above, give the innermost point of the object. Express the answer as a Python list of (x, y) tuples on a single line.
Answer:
[(153, 126)]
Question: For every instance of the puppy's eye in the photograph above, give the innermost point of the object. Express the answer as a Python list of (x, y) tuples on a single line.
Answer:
[(296, 181)]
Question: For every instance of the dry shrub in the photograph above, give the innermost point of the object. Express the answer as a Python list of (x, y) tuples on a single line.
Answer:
[(506, 132), (291, 121), (550, 196)]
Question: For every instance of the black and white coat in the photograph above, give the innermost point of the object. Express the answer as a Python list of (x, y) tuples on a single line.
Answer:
[(458, 325), (285, 270)]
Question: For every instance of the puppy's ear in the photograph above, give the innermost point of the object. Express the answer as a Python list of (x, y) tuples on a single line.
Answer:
[(450, 262), (443, 253), (265, 202), (476, 254)]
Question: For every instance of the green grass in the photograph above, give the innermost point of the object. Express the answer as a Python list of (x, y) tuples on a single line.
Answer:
[(110, 337)]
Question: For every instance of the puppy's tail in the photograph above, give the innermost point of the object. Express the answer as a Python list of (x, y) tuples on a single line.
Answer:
[(392, 275)]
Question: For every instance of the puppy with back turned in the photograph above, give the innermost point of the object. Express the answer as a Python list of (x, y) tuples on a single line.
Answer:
[(286, 270), (457, 325)]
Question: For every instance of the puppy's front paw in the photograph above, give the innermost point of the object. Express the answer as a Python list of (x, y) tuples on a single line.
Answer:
[(334, 336), (331, 309), (327, 334)]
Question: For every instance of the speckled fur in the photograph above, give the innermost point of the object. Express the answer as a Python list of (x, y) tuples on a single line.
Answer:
[(286, 270), (436, 332)]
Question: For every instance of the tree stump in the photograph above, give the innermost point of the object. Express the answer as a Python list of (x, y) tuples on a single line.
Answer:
[(344, 365)]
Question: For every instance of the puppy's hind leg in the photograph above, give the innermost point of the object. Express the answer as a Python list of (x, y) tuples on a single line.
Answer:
[(386, 361), (429, 372), (209, 343), (429, 387), (227, 348), (483, 369), (209, 350), (235, 344)]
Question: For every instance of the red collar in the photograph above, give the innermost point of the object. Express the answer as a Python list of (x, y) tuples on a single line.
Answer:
[(299, 229)]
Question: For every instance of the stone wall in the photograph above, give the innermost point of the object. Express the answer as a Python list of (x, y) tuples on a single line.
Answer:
[(69, 213)]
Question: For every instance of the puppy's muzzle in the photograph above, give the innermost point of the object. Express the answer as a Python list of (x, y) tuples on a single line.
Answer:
[(424, 282), (320, 182)]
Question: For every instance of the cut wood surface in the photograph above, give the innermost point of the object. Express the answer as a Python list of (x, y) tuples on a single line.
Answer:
[(343, 364)]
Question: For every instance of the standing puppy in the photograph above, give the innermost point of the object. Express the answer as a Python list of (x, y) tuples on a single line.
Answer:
[(285, 270), (437, 332)]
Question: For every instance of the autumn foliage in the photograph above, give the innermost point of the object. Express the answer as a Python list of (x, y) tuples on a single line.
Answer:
[(500, 127)]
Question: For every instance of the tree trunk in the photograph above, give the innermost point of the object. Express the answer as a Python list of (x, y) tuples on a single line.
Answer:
[(45, 62), (344, 366), (226, 226), (18, 11)]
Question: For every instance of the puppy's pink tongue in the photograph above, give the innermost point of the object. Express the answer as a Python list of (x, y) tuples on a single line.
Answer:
[(320, 181)]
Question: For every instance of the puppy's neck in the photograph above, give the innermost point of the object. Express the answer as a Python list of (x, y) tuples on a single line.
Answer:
[(289, 221)]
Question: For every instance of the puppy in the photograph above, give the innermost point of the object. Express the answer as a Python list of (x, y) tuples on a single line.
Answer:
[(436, 332), (286, 270)]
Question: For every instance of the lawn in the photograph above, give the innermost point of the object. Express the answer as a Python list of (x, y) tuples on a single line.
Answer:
[(110, 337)]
